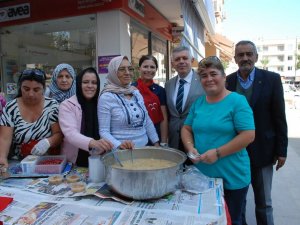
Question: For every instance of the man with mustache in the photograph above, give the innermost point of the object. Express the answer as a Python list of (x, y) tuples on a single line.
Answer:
[(264, 92)]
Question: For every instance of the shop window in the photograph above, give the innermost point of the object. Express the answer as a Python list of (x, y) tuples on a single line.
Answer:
[(159, 51), (139, 45), (46, 44), (143, 42)]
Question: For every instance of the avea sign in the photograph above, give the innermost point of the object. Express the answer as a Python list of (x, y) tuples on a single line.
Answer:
[(15, 12)]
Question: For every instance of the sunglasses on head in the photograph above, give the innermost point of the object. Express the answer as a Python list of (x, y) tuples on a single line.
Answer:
[(32, 72), (209, 60)]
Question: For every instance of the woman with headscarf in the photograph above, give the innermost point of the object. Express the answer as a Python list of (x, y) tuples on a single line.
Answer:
[(78, 120), (62, 84), (121, 110)]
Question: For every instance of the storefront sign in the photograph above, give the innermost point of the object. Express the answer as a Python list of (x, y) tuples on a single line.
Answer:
[(103, 62), (15, 12), (137, 6), (84, 4)]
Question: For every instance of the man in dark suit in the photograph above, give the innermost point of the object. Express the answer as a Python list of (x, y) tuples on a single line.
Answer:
[(264, 92), (178, 110)]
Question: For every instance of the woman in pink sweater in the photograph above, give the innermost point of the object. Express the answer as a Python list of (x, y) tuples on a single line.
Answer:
[(78, 120)]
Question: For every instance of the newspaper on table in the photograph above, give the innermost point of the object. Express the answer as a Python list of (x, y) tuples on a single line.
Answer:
[(42, 185), (178, 208)]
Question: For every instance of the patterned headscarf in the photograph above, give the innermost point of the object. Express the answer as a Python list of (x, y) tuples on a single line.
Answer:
[(57, 93), (113, 83)]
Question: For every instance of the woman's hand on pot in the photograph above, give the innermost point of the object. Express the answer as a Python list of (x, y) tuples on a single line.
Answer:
[(127, 145), (156, 144), (102, 145)]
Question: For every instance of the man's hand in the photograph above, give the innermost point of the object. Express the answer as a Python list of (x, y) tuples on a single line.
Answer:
[(279, 162), (41, 147)]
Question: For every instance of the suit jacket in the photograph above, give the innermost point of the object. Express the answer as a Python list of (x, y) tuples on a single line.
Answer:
[(176, 120), (267, 103)]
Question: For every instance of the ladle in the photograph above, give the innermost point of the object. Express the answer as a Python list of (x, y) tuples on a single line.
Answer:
[(116, 156)]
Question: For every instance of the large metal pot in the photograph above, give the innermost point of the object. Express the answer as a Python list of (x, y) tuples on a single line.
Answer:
[(144, 184)]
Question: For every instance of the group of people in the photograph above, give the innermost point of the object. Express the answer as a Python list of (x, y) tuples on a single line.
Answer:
[(235, 125)]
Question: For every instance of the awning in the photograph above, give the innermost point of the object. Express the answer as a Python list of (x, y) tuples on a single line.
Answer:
[(222, 43)]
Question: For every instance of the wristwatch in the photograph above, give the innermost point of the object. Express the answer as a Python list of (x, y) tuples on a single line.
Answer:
[(162, 144)]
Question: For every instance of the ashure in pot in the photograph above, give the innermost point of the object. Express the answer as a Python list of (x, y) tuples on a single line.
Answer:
[(142, 184)]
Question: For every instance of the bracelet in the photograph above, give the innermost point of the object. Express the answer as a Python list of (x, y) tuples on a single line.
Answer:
[(190, 142), (218, 153)]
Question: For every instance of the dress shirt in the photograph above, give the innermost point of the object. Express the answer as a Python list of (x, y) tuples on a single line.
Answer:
[(248, 82), (187, 86)]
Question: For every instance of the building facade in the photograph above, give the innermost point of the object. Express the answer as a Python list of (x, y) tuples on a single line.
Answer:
[(280, 56), (42, 34)]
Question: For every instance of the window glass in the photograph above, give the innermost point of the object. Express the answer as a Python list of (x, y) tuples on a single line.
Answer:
[(159, 51), (139, 45), (46, 44)]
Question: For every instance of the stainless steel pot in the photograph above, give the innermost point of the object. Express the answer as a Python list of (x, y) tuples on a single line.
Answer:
[(144, 184)]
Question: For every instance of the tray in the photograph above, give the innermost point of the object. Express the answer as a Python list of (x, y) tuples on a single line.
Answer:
[(42, 165), (15, 171)]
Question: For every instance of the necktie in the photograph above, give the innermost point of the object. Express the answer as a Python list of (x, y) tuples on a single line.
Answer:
[(180, 93)]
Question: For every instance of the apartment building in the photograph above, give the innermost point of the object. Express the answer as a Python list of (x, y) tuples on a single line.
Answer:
[(280, 56)]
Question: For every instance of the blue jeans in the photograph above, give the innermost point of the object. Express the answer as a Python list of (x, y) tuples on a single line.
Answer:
[(235, 200)]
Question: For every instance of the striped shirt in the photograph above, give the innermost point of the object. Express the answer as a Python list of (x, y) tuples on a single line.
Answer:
[(24, 131)]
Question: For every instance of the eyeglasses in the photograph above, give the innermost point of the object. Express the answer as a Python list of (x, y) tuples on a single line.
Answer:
[(209, 60), (32, 72), (123, 69)]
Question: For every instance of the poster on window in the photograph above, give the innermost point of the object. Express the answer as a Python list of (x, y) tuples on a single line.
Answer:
[(11, 88), (103, 62)]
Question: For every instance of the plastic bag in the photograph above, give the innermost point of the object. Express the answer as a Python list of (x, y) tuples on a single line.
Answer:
[(193, 181)]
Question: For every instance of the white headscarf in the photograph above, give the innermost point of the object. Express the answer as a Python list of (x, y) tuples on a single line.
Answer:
[(57, 93), (113, 83)]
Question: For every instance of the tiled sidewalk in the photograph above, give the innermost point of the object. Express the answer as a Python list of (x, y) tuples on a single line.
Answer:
[(286, 181)]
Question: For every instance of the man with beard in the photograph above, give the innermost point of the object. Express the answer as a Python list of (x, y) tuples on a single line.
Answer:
[(264, 92)]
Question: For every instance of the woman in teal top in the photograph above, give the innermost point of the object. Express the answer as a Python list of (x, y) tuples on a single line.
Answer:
[(219, 126)]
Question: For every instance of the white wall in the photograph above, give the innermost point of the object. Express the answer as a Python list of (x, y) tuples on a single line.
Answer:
[(113, 36)]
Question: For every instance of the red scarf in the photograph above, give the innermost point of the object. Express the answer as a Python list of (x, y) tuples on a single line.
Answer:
[(151, 101)]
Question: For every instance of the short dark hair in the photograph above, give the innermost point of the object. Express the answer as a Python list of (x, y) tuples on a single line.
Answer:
[(37, 75), (148, 57), (246, 42)]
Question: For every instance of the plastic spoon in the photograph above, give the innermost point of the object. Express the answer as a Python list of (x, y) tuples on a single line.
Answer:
[(192, 155)]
